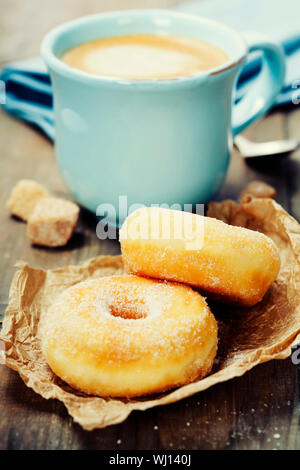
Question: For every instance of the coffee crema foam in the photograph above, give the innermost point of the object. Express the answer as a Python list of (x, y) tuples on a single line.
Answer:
[(145, 56)]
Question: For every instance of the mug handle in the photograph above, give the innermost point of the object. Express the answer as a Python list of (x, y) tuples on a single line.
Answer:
[(266, 86)]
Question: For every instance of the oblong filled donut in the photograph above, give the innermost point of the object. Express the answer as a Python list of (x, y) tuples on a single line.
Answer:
[(228, 263), (127, 336)]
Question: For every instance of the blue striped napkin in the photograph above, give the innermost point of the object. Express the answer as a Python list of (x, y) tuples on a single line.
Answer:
[(28, 92)]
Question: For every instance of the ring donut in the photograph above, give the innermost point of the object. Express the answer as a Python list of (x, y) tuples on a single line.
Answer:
[(127, 336)]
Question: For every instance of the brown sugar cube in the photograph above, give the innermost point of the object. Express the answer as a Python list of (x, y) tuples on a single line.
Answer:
[(52, 222), (24, 197), (258, 189)]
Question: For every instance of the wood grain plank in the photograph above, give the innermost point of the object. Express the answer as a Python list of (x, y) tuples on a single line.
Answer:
[(249, 412)]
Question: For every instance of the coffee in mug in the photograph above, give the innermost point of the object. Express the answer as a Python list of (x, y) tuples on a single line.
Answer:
[(145, 56)]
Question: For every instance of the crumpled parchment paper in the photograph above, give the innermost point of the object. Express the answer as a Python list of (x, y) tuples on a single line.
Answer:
[(247, 336)]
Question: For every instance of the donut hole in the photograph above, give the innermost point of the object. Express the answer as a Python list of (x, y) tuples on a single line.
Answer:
[(128, 311)]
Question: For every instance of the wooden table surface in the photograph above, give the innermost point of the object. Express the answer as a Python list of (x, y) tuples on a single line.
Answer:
[(257, 411)]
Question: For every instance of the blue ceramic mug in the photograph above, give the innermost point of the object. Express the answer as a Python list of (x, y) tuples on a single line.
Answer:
[(154, 141)]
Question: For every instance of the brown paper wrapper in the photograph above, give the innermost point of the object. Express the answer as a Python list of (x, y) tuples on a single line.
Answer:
[(247, 336)]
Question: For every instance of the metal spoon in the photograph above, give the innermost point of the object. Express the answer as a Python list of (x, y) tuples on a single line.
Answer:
[(250, 149)]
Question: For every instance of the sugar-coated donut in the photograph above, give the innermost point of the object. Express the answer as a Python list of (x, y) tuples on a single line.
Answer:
[(228, 263), (127, 336)]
